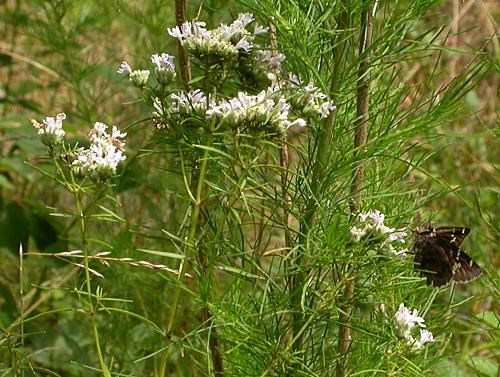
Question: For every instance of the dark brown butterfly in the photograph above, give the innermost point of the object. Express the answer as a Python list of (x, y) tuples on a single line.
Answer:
[(439, 258)]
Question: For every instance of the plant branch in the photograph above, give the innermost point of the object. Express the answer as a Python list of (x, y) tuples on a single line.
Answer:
[(190, 250), (92, 310), (360, 138), (180, 18)]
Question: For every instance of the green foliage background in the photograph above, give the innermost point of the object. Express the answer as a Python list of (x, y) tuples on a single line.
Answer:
[(432, 155)]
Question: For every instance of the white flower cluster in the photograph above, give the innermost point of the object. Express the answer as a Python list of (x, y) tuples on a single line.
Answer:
[(164, 70), (270, 62), (100, 160), (138, 77), (164, 67), (225, 42), (406, 322), (158, 113), (255, 112), (50, 131), (183, 103), (307, 99), (373, 225), (315, 101), (193, 101), (283, 103)]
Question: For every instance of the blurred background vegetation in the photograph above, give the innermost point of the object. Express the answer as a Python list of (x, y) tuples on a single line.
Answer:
[(62, 56)]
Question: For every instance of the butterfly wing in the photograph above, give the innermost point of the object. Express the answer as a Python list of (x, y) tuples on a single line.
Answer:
[(464, 269), (433, 262), (452, 234), (439, 258)]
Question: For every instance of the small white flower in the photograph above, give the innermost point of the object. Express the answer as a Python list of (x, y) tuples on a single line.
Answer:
[(163, 61), (406, 321), (190, 29), (139, 77), (164, 67), (376, 217), (270, 60), (50, 131), (309, 100), (425, 337), (373, 225), (357, 233), (299, 122), (225, 42), (100, 160), (194, 100), (398, 236), (258, 29), (243, 44), (255, 112), (158, 113), (124, 68), (311, 88), (243, 20), (326, 108), (294, 80)]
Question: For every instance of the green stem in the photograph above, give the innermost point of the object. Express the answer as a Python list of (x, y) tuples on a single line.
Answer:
[(92, 310), (189, 248), (324, 148), (360, 139)]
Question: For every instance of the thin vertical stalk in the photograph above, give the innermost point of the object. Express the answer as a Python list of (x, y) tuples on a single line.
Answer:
[(360, 137), (190, 251), (287, 226), (213, 343), (284, 164), (92, 310), (180, 18), (21, 299), (320, 164), (13, 37)]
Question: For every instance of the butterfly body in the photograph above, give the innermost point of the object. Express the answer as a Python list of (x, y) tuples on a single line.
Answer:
[(439, 258)]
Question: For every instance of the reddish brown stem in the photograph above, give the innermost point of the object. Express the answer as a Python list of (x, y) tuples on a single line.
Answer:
[(180, 18)]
